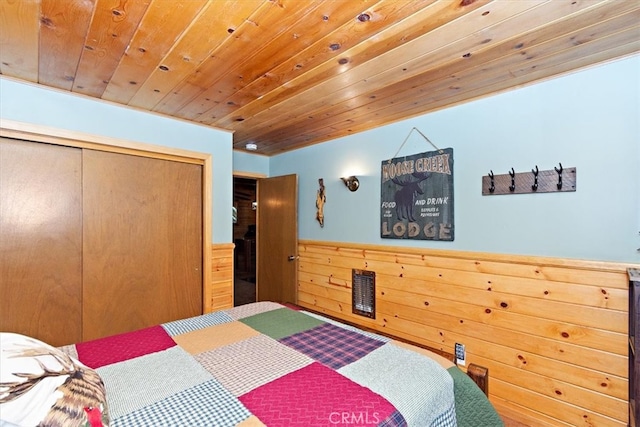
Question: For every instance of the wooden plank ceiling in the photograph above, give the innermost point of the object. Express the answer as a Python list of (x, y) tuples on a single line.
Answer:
[(285, 74)]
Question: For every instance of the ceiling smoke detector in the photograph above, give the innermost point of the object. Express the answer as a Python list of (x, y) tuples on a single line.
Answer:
[(251, 146)]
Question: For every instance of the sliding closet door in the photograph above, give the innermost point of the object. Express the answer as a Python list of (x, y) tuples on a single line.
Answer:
[(41, 241), (142, 242)]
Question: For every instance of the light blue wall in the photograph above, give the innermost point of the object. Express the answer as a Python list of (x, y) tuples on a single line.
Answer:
[(32, 104), (253, 164), (589, 120)]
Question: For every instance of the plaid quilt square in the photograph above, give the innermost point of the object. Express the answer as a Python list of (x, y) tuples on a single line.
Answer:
[(247, 310), (252, 421), (133, 384), (250, 363), (419, 387), (396, 420), (213, 337), (116, 348), (206, 404), (348, 327), (183, 326), (332, 345), (281, 322), (316, 396)]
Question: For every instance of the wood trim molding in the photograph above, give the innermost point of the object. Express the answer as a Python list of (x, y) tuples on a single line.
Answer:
[(64, 137), (482, 256), (241, 174), (69, 138)]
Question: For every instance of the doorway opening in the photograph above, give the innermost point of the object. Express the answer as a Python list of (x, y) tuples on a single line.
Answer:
[(244, 238)]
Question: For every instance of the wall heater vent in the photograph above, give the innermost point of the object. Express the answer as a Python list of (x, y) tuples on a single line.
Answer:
[(363, 293)]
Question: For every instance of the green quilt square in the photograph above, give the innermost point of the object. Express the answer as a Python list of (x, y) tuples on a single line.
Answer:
[(281, 323)]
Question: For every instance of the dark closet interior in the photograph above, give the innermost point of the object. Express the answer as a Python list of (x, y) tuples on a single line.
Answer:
[(244, 238)]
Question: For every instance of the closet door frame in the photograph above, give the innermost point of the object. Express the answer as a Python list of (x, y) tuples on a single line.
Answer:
[(37, 133)]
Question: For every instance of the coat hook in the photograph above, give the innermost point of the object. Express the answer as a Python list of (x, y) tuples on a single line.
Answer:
[(492, 188), (512, 173), (559, 184), (534, 187)]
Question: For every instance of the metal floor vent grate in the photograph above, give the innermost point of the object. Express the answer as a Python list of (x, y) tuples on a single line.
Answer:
[(363, 293)]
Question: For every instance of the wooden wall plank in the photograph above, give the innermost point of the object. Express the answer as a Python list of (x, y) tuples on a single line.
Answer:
[(225, 54), (451, 328), (443, 90), (585, 377), (219, 292), (365, 55), (114, 23), (407, 62), (158, 30), (19, 38), (363, 73), (470, 261), (332, 308), (525, 415), (615, 320), (558, 361), (536, 59), (444, 79), (207, 31), (491, 315), (418, 18), (597, 296), (561, 412), (257, 68), (493, 22), (606, 405), (63, 30)]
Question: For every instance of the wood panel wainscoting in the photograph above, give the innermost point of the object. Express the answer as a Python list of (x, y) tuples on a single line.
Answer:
[(551, 331), (219, 294)]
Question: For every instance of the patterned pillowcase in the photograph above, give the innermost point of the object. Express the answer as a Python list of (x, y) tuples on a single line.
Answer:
[(41, 385)]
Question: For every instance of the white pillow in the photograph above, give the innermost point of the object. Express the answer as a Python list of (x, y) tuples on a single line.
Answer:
[(35, 385)]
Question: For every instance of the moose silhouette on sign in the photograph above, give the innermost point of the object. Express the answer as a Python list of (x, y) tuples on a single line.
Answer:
[(405, 197)]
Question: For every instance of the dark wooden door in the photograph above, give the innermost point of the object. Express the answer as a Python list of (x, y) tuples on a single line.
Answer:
[(142, 242), (41, 241), (277, 239)]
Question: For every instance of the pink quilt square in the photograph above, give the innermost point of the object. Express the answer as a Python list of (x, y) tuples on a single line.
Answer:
[(117, 348), (316, 396)]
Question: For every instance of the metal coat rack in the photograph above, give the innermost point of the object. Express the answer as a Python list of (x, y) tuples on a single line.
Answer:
[(554, 180)]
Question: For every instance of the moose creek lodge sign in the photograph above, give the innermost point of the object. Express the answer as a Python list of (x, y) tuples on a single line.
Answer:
[(417, 197)]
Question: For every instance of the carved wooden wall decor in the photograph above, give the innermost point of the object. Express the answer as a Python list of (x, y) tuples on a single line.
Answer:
[(321, 198)]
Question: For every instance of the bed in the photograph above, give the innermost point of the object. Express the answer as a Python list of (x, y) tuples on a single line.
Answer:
[(252, 365)]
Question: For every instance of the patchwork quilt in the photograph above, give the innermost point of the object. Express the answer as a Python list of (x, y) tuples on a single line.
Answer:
[(267, 364)]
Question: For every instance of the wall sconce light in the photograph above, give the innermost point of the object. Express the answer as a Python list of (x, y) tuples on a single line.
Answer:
[(351, 182)]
